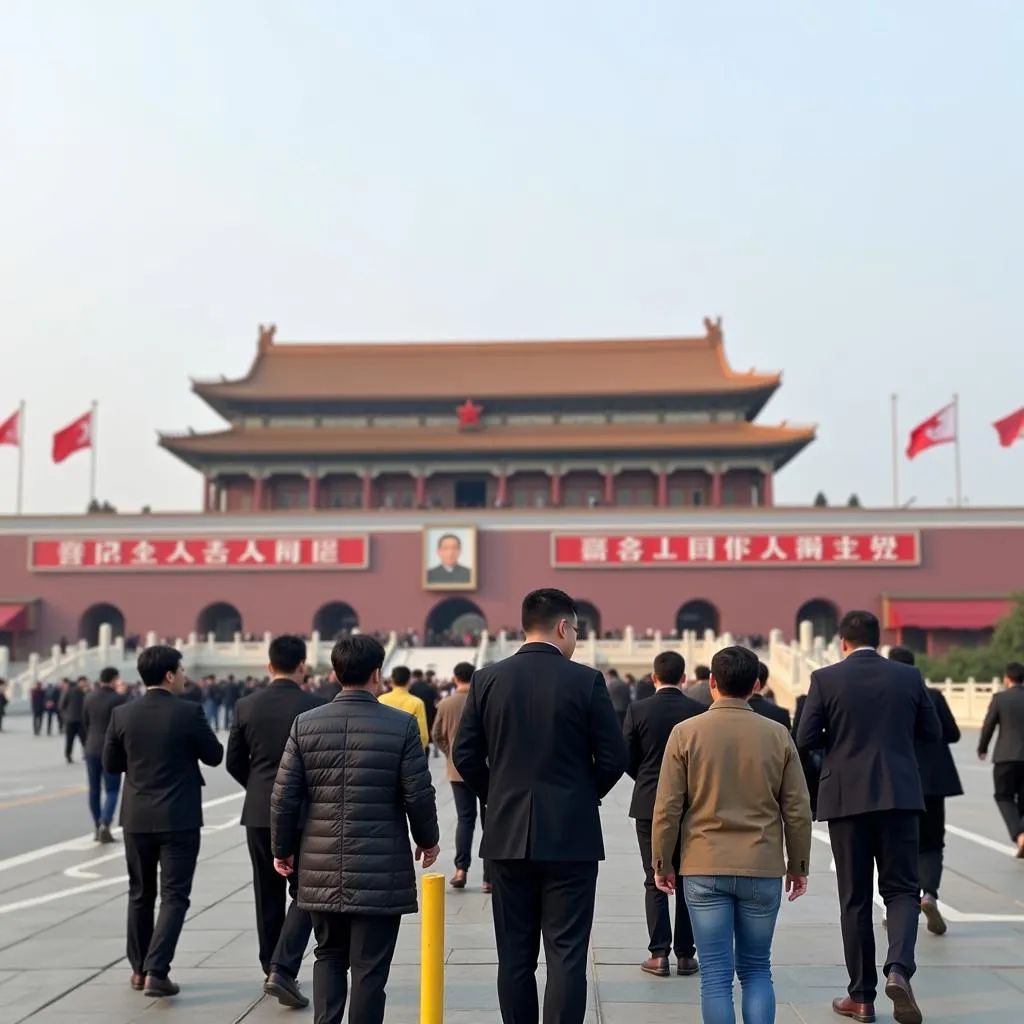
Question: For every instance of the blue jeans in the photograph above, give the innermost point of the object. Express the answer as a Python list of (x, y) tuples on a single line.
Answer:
[(733, 924), (111, 785)]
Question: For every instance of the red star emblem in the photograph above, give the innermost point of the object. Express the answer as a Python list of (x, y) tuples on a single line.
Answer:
[(469, 414)]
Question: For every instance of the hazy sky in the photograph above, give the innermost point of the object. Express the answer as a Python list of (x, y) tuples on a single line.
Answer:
[(841, 182)]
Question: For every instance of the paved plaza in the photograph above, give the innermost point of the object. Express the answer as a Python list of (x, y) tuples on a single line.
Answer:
[(62, 907)]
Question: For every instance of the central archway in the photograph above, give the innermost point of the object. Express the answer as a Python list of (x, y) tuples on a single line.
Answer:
[(698, 616), (823, 616), (452, 618), (589, 619), (221, 619), (334, 618), (96, 616)]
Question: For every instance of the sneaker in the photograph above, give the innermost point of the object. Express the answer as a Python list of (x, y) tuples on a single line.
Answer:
[(103, 834)]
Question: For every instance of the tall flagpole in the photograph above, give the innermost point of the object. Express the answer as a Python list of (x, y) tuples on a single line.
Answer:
[(957, 483), (92, 452), (21, 457), (895, 454)]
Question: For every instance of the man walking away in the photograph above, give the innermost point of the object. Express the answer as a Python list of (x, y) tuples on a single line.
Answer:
[(540, 744), (38, 700), (400, 697), (3, 704), (701, 689), (867, 713), (939, 779), (620, 694), (157, 742), (104, 787), (648, 725), (72, 708), (262, 723), (446, 726), (736, 777), (1006, 713), (355, 772), (427, 692), (53, 699), (762, 705)]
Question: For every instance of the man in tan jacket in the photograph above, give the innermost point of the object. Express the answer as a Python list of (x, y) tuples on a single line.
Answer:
[(736, 777), (446, 724)]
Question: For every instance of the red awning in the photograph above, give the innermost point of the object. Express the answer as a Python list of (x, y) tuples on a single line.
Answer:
[(945, 613), (12, 617)]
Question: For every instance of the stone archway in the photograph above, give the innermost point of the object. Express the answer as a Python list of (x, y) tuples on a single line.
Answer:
[(97, 615), (454, 616), (222, 619), (698, 616), (822, 614), (589, 619), (334, 618)]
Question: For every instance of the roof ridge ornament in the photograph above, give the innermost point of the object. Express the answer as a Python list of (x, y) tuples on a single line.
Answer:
[(266, 337), (713, 329)]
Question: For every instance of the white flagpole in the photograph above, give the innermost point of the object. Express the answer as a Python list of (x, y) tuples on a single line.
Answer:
[(895, 454), (957, 482), (21, 457), (92, 452)]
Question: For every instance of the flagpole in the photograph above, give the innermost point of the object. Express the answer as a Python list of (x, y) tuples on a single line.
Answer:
[(21, 457), (957, 483), (895, 454), (92, 452)]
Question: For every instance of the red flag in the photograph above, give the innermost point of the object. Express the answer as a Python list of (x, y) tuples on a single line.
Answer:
[(75, 437), (938, 429), (10, 430), (1010, 427)]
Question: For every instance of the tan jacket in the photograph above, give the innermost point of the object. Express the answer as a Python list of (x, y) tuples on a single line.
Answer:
[(446, 725), (737, 777)]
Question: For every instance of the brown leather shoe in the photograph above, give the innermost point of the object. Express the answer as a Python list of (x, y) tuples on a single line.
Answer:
[(138, 982), (846, 1007), (486, 887), (159, 988), (686, 966), (1020, 846), (656, 965), (458, 880), (933, 916), (904, 1006)]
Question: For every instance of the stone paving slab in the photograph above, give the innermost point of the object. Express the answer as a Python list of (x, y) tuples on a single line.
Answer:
[(62, 937)]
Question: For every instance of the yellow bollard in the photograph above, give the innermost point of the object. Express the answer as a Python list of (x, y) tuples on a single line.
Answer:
[(432, 951)]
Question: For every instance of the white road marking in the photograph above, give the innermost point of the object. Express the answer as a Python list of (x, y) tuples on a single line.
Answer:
[(78, 871), (8, 793), (989, 844), (37, 901)]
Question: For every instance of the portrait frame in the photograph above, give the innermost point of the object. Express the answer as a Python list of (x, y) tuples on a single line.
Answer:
[(463, 575)]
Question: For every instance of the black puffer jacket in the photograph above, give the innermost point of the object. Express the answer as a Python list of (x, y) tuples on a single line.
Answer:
[(352, 775)]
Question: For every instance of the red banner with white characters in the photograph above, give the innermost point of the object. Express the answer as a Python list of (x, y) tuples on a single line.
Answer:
[(637, 550), (198, 554)]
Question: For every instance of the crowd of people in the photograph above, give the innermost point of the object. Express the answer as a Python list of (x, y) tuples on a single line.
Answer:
[(725, 786)]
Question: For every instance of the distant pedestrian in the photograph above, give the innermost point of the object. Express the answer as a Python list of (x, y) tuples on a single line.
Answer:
[(104, 786), (37, 699), (72, 709), (1006, 714)]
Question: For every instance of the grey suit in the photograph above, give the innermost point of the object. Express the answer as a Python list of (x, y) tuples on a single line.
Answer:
[(1006, 712)]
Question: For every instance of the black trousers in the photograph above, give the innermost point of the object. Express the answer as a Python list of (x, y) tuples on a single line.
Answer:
[(73, 731), (466, 809), (664, 938), (37, 722), (890, 840), (151, 947), (360, 942), (553, 899), (932, 841), (282, 927), (1008, 777)]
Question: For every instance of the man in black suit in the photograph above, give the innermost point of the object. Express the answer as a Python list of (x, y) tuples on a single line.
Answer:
[(939, 779), (644, 688), (762, 705), (157, 742), (648, 725), (427, 692), (262, 722), (1006, 712), (619, 692), (96, 714), (539, 743), (72, 708), (867, 712)]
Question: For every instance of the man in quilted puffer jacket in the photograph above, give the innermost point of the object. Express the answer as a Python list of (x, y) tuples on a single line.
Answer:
[(353, 783)]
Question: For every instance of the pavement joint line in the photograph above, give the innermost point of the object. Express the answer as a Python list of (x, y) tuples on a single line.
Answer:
[(74, 988)]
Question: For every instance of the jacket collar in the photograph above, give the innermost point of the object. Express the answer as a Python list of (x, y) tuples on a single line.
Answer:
[(153, 691), (288, 683), (347, 695), (731, 702), (540, 647)]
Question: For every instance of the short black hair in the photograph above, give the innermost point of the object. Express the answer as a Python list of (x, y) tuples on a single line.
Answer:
[(543, 608), (463, 672), (1015, 672), (400, 675), (356, 658), (703, 673), (156, 662), (735, 671), (450, 536), (670, 667), (860, 629), (762, 673), (109, 675), (287, 652), (902, 654)]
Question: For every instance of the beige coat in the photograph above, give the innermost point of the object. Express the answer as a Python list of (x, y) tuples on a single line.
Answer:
[(446, 725)]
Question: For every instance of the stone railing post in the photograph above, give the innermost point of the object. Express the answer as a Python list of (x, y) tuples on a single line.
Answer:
[(237, 648), (630, 637), (5, 662), (806, 635)]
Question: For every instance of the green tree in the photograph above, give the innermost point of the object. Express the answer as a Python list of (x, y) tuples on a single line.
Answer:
[(986, 661), (854, 501), (820, 500)]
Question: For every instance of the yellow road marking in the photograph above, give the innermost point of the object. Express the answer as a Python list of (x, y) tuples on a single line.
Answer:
[(58, 794)]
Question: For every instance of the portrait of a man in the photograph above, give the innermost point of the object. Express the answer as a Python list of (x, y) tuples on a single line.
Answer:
[(449, 558)]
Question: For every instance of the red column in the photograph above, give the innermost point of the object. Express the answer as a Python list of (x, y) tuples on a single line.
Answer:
[(663, 490), (768, 490), (206, 493), (556, 489), (421, 491), (609, 488), (257, 494), (314, 489), (367, 491), (716, 489), (501, 492)]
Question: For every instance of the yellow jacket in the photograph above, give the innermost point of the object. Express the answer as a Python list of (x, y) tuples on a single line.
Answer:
[(402, 699)]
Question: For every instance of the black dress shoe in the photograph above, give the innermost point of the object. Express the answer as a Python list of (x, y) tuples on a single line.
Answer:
[(159, 988), (138, 982), (904, 1006), (103, 834), (687, 966), (285, 990)]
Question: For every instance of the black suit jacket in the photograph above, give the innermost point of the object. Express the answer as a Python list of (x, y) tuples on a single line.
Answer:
[(644, 689), (540, 744), (866, 712), (646, 729), (263, 721), (428, 694), (939, 776), (96, 713), (157, 741), (769, 709), (1006, 710)]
